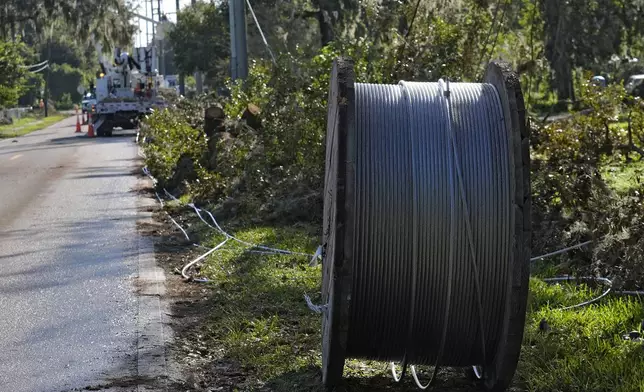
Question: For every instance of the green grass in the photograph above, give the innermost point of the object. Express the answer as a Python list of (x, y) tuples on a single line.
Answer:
[(622, 176), (26, 125), (584, 350), (260, 321)]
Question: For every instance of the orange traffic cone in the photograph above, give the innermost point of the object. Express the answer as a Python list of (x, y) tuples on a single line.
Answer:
[(78, 125), (90, 130)]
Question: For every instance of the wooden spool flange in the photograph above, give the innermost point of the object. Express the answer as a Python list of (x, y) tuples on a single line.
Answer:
[(498, 374), (338, 225)]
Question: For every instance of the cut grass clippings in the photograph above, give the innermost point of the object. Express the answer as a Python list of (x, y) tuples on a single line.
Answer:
[(27, 125), (261, 322)]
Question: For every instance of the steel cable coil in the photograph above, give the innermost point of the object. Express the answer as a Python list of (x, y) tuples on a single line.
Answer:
[(425, 257)]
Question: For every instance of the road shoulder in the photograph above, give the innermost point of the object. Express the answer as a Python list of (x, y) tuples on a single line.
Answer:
[(153, 335), (23, 127)]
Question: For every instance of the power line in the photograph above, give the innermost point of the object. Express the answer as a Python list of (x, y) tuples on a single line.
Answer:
[(500, 25), (250, 7), (489, 34), (498, 29), (401, 52), (40, 69), (35, 65)]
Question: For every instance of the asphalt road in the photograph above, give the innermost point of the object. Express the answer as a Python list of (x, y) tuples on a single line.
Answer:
[(68, 261)]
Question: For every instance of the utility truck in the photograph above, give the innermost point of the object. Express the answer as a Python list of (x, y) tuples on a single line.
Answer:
[(89, 101), (635, 85), (126, 90)]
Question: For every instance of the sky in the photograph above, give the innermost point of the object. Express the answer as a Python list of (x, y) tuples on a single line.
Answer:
[(167, 6)]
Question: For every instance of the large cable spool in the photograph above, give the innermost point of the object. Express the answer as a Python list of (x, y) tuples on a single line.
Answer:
[(426, 233)]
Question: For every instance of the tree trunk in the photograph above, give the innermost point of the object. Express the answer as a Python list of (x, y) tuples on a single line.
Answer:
[(326, 28), (557, 48), (336, 17), (13, 28), (563, 80)]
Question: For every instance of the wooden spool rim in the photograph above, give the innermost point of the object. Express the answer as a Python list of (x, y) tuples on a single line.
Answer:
[(338, 221), (498, 375)]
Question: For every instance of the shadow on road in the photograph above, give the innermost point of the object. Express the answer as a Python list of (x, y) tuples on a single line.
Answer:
[(115, 138), (64, 142)]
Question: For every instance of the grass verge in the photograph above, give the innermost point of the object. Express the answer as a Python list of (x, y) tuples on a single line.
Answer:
[(257, 320), (27, 125), (584, 349), (623, 176)]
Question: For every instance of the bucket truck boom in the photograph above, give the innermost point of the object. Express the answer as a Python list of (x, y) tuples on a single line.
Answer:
[(126, 89)]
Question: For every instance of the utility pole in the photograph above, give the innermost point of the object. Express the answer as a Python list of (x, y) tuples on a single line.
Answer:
[(238, 48), (146, 42), (47, 78), (51, 32), (154, 42), (198, 75), (161, 42), (152, 16), (182, 77)]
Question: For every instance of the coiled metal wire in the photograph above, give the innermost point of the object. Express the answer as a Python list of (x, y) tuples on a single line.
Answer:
[(432, 240)]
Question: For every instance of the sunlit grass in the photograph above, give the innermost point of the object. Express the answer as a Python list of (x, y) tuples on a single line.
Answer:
[(622, 176), (584, 349), (27, 125), (261, 321)]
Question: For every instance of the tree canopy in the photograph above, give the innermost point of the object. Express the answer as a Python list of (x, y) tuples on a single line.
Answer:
[(110, 20), (13, 72), (201, 41), (61, 32), (548, 40)]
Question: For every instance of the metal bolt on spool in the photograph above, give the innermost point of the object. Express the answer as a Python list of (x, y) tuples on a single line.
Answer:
[(426, 236)]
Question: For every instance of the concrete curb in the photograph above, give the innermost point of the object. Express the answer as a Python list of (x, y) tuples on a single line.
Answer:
[(152, 336)]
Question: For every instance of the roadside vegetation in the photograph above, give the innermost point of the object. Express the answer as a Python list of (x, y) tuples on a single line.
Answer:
[(29, 124), (257, 162)]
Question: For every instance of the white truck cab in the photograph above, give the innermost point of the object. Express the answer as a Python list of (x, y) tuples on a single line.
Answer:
[(633, 83), (126, 92), (89, 100)]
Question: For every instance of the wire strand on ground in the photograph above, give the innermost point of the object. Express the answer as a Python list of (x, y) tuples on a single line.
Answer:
[(252, 248)]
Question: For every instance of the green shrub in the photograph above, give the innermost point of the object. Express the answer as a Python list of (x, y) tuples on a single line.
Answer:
[(65, 102), (64, 79), (285, 156), (168, 138), (277, 170), (572, 202)]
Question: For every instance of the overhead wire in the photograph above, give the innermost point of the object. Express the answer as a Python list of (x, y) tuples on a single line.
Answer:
[(579, 245), (268, 47), (498, 29), (402, 49), (506, 4), (489, 34), (40, 69), (35, 65)]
